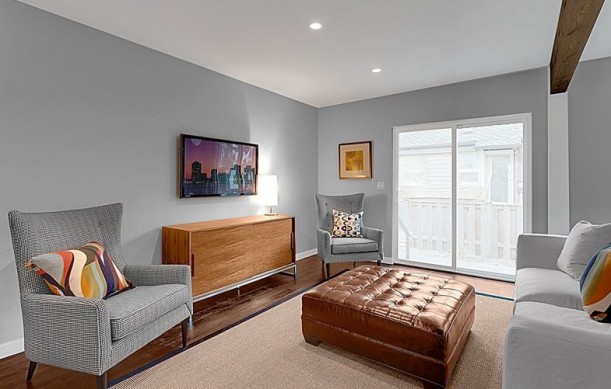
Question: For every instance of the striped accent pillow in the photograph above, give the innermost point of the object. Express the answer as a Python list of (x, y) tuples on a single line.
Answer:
[(87, 271), (595, 285)]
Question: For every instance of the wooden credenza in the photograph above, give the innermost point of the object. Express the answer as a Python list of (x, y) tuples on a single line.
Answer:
[(225, 254)]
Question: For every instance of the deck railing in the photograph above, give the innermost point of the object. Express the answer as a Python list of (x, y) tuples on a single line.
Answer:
[(485, 230)]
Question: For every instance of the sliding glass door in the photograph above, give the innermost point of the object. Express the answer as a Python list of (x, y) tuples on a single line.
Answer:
[(425, 195), (461, 194)]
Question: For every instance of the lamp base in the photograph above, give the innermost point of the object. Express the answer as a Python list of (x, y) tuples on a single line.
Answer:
[(271, 212)]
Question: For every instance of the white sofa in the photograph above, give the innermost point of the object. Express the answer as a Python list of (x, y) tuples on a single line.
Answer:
[(551, 342)]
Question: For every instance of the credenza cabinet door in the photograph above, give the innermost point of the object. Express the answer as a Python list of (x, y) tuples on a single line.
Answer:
[(271, 246), (222, 257)]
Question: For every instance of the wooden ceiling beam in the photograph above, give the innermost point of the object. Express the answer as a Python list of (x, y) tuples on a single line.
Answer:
[(577, 18)]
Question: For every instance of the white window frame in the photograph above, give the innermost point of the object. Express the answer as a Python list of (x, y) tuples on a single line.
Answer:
[(510, 174), (482, 160), (526, 120)]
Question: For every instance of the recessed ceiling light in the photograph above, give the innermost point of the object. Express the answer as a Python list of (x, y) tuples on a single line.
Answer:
[(376, 70), (315, 26)]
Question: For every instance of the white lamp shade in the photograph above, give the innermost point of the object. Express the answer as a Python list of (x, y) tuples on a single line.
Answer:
[(268, 190)]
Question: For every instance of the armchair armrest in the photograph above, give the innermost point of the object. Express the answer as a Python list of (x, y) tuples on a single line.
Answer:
[(152, 275), (539, 250), (374, 234), (323, 239), (540, 354), (158, 274), (67, 332)]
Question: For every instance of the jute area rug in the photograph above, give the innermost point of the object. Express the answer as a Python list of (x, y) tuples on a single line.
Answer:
[(268, 351)]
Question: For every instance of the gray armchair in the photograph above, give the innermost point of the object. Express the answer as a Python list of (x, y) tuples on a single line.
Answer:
[(333, 250), (92, 335)]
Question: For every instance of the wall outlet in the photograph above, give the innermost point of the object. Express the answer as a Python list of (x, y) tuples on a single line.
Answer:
[(380, 185)]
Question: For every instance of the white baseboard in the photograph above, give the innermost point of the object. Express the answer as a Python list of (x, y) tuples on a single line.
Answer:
[(306, 254), (309, 253), (11, 348), (388, 261)]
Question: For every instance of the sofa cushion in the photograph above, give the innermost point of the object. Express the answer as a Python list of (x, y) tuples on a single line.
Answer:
[(583, 242), (353, 245), (559, 315), (132, 309), (595, 286), (547, 286)]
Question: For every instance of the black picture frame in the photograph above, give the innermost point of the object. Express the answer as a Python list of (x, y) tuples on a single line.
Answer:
[(237, 181)]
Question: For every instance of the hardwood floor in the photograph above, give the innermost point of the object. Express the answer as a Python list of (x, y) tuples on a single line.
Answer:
[(211, 317)]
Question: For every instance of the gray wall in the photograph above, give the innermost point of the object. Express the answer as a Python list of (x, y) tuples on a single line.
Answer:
[(373, 119), (589, 103), (87, 118)]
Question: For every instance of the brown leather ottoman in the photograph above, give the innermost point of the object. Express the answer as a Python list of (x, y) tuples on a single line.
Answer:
[(411, 321)]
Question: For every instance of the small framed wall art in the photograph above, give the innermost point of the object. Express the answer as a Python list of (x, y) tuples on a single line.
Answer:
[(355, 160)]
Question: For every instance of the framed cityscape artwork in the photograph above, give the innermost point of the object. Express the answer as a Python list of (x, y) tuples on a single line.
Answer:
[(355, 160), (217, 167)]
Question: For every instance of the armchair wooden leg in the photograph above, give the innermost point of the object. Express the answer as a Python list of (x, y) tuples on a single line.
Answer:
[(31, 370), (183, 327), (323, 269), (328, 266), (379, 262), (102, 381), (353, 265)]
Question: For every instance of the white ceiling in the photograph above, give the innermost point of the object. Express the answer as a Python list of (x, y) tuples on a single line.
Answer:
[(267, 43)]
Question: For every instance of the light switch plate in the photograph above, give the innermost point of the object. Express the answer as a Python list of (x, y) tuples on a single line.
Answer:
[(380, 185)]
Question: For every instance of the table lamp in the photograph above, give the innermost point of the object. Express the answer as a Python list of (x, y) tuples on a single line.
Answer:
[(268, 192)]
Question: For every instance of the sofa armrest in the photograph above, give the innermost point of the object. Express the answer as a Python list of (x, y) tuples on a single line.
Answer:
[(374, 234), (540, 354), (539, 250), (68, 332), (323, 239)]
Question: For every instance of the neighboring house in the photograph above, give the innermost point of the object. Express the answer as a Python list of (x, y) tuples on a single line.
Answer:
[(489, 163)]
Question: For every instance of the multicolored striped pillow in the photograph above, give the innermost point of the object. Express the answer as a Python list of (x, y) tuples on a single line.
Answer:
[(595, 285), (84, 272)]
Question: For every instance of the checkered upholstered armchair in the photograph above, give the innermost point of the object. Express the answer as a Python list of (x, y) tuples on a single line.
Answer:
[(333, 250), (92, 335)]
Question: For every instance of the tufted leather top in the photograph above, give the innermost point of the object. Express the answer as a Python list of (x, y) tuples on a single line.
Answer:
[(421, 313)]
